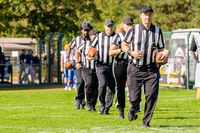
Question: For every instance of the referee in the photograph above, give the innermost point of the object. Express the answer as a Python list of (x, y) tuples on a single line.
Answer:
[(104, 66), (141, 42), (85, 27), (89, 74), (120, 63)]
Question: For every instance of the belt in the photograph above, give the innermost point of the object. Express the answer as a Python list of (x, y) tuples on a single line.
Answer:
[(121, 62), (101, 63), (125, 61), (152, 65)]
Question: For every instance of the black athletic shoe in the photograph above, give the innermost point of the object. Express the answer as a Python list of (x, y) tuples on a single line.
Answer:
[(106, 111), (147, 125), (101, 110), (77, 104), (88, 108), (92, 109), (121, 114), (132, 115), (82, 106)]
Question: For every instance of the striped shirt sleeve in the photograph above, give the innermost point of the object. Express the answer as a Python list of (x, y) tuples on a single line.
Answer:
[(116, 40), (80, 47), (72, 43), (129, 35), (95, 42), (161, 43)]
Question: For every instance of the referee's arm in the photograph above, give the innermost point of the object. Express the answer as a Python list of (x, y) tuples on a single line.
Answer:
[(114, 48), (161, 46), (72, 45), (77, 58), (135, 54), (125, 47)]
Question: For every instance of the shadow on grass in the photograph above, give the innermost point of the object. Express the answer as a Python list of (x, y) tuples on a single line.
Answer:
[(186, 126), (178, 118), (30, 87)]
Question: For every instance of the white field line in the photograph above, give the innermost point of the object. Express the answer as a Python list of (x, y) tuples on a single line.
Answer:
[(107, 129), (175, 99)]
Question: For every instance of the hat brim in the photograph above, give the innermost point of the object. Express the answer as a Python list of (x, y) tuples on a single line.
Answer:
[(128, 22), (109, 24), (86, 28), (147, 10)]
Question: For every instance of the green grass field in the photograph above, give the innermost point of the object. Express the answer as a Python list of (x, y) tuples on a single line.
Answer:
[(42, 110)]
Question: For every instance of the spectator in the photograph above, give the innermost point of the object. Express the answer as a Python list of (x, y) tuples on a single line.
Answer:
[(29, 68), (23, 59), (36, 62), (2, 65)]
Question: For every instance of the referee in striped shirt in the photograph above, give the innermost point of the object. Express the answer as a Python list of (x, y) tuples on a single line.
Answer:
[(88, 73), (120, 63), (85, 27), (104, 66), (141, 42)]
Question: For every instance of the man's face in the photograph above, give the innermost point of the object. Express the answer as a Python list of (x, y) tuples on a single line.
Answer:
[(126, 26), (92, 37), (108, 29), (30, 52), (85, 32), (146, 17)]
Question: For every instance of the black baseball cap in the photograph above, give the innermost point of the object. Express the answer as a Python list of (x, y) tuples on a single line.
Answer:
[(109, 21), (93, 32), (86, 26), (146, 9), (128, 20)]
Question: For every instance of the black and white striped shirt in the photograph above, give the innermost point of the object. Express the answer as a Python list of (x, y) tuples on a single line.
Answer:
[(117, 40), (102, 43), (146, 40), (83, 48), (76, 42)]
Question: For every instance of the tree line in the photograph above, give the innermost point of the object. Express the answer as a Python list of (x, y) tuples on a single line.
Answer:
[(32, 18)]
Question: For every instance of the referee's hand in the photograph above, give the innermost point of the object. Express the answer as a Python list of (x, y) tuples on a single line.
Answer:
[(78, 65), (137, 54)]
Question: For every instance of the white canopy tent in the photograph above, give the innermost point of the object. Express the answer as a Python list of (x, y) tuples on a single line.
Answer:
[(10, 44)]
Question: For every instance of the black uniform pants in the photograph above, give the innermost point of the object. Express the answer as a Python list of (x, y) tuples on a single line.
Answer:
[(106, 84), (149, 77), (120, 75), (80, 87), (91, 86)]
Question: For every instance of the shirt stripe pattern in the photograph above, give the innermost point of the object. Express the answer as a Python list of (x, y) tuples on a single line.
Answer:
[(146, 40), (117, 40), (76, 43), (102, 43), (83, 48)]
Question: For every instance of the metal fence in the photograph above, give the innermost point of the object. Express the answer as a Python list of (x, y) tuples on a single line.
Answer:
[(180, 69)]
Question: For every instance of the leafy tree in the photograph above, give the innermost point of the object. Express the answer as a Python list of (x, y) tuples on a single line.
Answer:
[(34, 17)]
